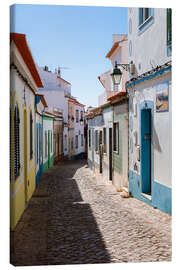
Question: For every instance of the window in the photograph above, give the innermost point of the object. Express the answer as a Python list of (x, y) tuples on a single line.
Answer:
[(82, 140), (145, 17), (81, 115), (116, 137), (16, 142), (51, 143), (37, 142), (169, 27), (100, 138), (96, 141), (104, 136), (58, 144), (144, 14), (89, 138), (40, 143), (77, 116), (31, 136), (76, 142), (65, 142), (46, 146)]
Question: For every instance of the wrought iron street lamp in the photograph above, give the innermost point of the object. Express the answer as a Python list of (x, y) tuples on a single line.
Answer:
[(117, 73), (81, 121)]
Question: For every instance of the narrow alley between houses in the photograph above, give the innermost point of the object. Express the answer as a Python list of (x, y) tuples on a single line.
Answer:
[(73, 217)]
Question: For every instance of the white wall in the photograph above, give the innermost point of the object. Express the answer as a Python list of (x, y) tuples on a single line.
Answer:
[(39, 121), (78, 130), (162, 137), (56, 98), (148, 48), (108, 123), (47, 125)]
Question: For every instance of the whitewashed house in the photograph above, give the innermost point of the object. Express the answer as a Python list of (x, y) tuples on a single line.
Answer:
[(150, 108), (108, 124), (79, 141), (56, 91)]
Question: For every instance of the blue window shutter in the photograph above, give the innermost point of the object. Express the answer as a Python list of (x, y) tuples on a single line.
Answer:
[(151, 12), (37, 143), (140, 15)]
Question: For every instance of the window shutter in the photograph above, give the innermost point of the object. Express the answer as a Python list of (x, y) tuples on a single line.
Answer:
[(140, 16), (37, 143), (169, 29), (31, 136)]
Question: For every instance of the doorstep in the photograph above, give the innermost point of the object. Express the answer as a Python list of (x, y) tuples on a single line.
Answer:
[(147, 196)]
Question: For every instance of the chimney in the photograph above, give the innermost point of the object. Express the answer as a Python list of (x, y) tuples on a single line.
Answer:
[(46, 68), (59, 71)]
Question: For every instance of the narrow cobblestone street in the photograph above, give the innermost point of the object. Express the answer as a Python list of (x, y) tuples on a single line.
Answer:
[(74, 218)]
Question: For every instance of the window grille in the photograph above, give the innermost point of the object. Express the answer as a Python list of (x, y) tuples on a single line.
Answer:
[(16, 142), (116, 137)]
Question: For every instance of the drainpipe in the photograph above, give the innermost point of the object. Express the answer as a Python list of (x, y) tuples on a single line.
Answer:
[(128, 133), (35, 136)]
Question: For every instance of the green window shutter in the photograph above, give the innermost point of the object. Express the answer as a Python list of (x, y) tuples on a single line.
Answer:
[(169, 26)]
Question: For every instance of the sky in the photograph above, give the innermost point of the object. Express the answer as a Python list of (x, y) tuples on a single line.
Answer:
[(75, 37)]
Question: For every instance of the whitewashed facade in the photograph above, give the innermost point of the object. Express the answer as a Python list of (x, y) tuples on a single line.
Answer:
[(79, 141), (56, 91), (150, 107)]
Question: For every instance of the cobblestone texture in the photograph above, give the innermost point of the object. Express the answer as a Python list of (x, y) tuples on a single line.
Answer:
[(75, 218)]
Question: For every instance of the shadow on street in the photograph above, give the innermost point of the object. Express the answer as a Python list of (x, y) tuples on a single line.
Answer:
[(58, 227)]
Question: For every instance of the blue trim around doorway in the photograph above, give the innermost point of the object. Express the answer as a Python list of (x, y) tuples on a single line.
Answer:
[(161, 195)]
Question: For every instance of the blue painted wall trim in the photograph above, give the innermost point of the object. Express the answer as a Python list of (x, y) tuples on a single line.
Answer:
[(161, 195), (79, 156), (135, 187), (149, 77), (37, 99)]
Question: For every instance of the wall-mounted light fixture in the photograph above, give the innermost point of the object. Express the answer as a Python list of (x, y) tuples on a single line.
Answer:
[(81, 121), (117, 73)]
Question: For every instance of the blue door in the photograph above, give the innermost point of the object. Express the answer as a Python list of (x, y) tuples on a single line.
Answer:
[(146, 136)]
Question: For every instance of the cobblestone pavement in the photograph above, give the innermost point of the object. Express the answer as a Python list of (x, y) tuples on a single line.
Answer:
[(75, 218)]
